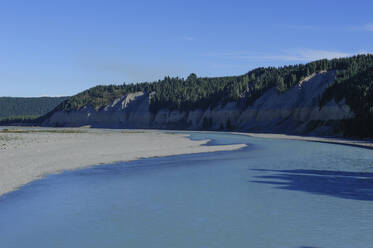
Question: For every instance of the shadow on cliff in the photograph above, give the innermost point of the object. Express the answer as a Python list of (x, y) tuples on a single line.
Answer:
[(347, 185)]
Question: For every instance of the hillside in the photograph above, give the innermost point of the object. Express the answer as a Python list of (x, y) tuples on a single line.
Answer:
[(358, 94), (15, 107), (325, 97), (200, 93)]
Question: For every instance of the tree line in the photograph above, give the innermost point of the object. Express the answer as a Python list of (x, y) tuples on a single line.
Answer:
[(27, 107), (203, 92)]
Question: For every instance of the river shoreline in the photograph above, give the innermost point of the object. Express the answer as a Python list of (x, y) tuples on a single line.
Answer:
[(30, 154), (368, 144)]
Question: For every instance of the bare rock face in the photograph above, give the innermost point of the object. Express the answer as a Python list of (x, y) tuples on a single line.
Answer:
[(130, 111), (289, 112), (295, 107)]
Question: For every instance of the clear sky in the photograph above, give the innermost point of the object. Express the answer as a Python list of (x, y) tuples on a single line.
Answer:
[(62, 47)]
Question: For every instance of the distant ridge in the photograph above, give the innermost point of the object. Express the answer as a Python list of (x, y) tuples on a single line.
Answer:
[(12, 107)]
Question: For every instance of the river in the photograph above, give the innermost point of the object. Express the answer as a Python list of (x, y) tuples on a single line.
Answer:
[(272, 194)]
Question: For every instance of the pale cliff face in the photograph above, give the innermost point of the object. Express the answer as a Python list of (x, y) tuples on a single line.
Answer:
[(273, 112), (130, 111), (299, 104)]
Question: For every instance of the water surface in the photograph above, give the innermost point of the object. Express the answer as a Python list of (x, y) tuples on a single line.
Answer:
[(274, 193)]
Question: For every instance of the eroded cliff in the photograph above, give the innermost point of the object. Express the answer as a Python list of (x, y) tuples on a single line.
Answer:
[(297, 110)]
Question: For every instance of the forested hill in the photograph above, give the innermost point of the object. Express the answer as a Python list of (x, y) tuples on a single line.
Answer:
[(19, 107), (201, 93), (199, 102), (357, 90)]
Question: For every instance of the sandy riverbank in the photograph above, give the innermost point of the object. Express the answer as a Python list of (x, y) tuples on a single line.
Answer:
[(26, 156)]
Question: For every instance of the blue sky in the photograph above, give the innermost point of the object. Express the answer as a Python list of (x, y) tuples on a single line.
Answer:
[(62, 47)]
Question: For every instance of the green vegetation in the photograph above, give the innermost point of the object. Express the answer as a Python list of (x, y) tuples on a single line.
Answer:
[(24, 108), (193, 92), (353, 82), (357, 90), (19, 120)]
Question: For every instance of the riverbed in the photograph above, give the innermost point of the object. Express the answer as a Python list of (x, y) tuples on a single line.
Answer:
[(273, 193)]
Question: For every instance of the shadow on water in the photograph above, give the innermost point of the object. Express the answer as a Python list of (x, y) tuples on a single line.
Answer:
[(347, 185), (308, 247)]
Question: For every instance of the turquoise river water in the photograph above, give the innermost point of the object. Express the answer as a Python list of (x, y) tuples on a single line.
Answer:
[(272, 194)]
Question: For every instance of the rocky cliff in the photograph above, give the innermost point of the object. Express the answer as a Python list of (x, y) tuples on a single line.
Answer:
[(295, 111)]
